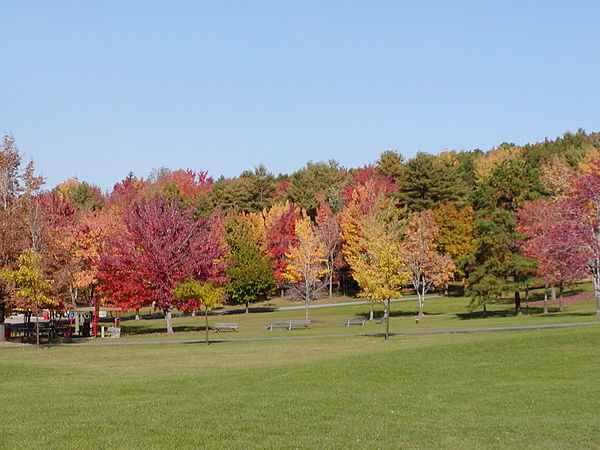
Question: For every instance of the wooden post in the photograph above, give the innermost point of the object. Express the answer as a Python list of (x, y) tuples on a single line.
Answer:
[(206, 324), (95, 318)]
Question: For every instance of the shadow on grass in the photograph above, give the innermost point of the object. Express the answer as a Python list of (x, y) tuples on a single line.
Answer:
[(539, 296), (532, 311), (141, 330), (379, 314)]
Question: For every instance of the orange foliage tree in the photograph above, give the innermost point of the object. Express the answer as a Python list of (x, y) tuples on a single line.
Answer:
[(306, 263), (428, 268)]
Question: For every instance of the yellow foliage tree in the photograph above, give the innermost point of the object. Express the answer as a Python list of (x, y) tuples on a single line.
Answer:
[(377, 264), (205, 294), (31, 287), (557, 177), (306, 263), (256, 225), (486, 162), (455, 233)]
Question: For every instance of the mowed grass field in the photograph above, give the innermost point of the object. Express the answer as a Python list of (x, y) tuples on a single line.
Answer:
[(526, 389), (441, 313)]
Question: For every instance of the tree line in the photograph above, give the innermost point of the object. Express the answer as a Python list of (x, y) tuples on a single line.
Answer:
[(500, 221)]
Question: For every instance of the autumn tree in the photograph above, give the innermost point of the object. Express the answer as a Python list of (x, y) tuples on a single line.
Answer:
[(428, 267), (328, 230), (160, 247), (201, 294), (377, 264), (280, 234), (559, 260), (127, 192), (579, 231), (83, 196), (31, 287), (364, 199), (85, 240), (455, 235), (18, 192), (306, 263), (487, 162), (189, 188), (557, 177)]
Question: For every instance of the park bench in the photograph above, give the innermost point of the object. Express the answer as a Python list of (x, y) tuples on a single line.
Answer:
[(355, 322), (225, 326), (114, 332), (289, 324)]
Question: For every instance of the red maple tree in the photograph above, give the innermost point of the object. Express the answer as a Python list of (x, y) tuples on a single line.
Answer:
[(162, 245), (280, 237), (560, 260)]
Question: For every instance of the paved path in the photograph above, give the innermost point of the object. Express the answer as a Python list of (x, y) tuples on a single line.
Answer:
[(364, 302), (264, 309), (278, 338)]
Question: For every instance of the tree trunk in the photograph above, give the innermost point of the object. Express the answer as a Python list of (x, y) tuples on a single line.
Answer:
[(561, 288), (37, 327), (247, 307), (206, 324), (137, 314), (371, 312), (306, 299), (421, 295), (546, 298), (96, 314), (596, 278), (553, 294), (386, 305), (518, 303), (527, 299), (169, 319), (331, 283), (2, 312)]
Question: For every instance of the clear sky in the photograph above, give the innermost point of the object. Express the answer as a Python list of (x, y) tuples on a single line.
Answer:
[(95, 89)]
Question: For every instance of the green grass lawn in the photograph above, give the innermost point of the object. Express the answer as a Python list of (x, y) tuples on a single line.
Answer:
[(533, 389), (441, 313)]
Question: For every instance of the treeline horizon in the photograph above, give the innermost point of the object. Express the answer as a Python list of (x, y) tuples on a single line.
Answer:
[(179, 238), (568, 138)]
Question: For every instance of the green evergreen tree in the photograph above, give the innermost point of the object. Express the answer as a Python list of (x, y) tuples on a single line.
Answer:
[(251, 275), (261, 187), (230, 194), (429, 180), (391, 163), (320, 177), (497, 266)]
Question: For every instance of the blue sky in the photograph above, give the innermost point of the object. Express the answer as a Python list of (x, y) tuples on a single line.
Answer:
[(95, 89)]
